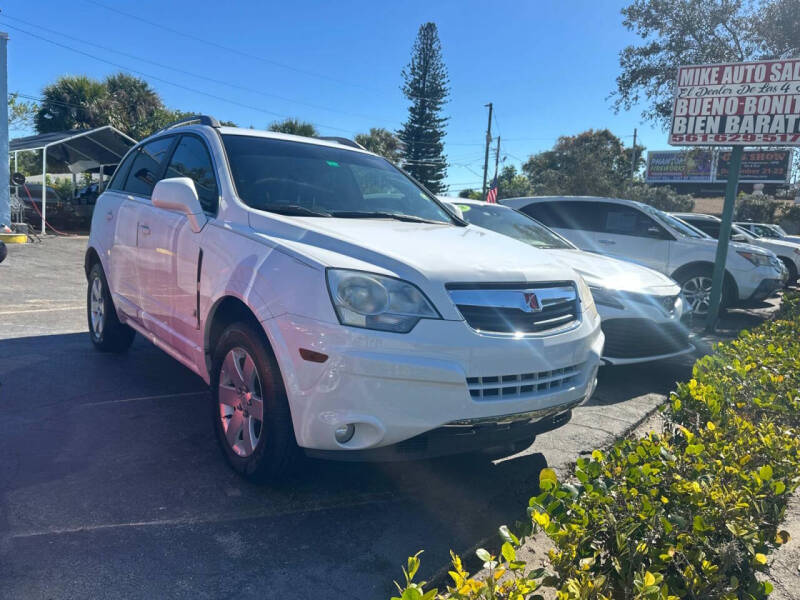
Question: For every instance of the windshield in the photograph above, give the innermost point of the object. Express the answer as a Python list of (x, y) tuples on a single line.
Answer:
[(676, 224), (513, 224), (314, 180)]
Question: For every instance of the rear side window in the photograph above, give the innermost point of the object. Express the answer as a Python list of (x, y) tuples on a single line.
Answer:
[(147, 166), (118, 181), (565, 214), (191, 159)]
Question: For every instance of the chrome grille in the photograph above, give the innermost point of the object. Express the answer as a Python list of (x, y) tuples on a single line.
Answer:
[(504, 387), (517, 308)]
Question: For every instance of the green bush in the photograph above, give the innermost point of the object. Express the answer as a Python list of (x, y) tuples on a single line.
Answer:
[(691, 512)]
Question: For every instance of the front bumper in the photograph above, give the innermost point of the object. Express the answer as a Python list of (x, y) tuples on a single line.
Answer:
[(394, 387), (766, 289), (643, 331)]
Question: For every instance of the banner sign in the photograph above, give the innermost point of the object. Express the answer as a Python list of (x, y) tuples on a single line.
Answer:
[(758, 166), (665, 166), (754, 103), (699, 165)]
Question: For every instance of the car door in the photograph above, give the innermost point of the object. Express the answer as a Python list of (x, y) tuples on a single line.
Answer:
[(627, 232), (171, 252)]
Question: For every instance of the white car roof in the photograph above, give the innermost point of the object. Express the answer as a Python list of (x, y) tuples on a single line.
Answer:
[(526, 200)]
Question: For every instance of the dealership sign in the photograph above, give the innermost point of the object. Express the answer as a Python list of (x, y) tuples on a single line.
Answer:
[(701, 165), (755, 103)]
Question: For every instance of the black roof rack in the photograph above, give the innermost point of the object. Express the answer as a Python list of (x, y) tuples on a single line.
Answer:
[(201, 119), (342, 141)]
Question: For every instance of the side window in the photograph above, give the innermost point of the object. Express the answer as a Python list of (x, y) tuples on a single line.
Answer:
[(584, 216), (146, 167), (625, 220), (118, 179), (191, 159)]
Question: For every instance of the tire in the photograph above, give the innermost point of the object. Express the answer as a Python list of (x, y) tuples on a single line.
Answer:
[(244, 371), (696, 288), (790, 266), (105, 330)]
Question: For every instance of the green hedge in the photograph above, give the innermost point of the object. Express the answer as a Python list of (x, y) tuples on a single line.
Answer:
[(691, 512)]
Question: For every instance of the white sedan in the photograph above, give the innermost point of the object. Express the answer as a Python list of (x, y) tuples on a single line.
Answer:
[(640, 308)]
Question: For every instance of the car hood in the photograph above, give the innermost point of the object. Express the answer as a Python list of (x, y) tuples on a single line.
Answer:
[(418, 252), (778, 245), (611, 273)]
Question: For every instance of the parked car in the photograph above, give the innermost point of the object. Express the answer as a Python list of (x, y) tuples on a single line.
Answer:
[(32, 205), (331, 303), (769, 231), (638, 232), (787, 252), (640, 308)]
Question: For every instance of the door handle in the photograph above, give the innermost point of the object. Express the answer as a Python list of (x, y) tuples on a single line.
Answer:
[(145, 229), (608, 242), (109, 215)]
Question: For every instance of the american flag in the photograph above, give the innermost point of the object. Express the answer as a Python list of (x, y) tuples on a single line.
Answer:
[(491, 195)]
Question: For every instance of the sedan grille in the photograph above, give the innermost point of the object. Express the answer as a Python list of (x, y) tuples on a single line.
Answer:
[(640, 338), (517, 308), (505, 387)]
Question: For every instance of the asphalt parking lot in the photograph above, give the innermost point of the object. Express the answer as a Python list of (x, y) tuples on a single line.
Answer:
[(112, 486)]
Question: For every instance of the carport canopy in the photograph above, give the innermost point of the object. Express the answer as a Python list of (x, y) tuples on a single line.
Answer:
[(74, 152)]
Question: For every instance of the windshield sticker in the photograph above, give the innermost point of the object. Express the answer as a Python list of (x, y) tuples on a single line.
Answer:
[(332, 163), (464, 207)]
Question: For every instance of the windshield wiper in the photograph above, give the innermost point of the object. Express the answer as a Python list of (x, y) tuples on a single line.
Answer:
[(357, 214), (295, 210)]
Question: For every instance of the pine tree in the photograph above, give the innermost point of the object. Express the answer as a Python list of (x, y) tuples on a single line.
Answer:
[(426, 86)]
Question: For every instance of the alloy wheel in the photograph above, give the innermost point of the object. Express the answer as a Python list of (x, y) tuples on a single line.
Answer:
[(697, 291), (97, 308), (241, 403)]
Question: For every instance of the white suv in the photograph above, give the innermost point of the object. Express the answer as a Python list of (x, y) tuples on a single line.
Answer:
[(332, 303), (640, 233), (788, 252)]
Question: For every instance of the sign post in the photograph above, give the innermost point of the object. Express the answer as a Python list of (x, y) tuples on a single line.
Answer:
[(737, 105), (724, 235)]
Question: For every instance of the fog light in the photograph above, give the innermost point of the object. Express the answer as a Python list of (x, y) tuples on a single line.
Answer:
[(344, 433)]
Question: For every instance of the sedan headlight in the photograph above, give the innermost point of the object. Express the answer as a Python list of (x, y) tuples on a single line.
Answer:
[(759, 260), (585, 293), (373, 301), (605, 297)]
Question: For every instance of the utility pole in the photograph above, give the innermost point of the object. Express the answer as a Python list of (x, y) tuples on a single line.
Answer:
[(486, 157), (633, 155), (496, 157), (5, 176)]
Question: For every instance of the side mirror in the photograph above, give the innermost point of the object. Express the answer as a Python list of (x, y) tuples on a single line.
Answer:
[(179, 194), (738, 237)]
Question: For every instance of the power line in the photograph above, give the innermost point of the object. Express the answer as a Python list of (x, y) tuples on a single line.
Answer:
[(191, 74), (241, 52), (162, 80)]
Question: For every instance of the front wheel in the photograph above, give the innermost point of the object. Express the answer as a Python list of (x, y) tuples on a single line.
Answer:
[(696, 288), (790, 266), (249, 407), (105, 330)]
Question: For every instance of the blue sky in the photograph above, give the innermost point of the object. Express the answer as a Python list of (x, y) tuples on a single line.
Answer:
[(548, 66)]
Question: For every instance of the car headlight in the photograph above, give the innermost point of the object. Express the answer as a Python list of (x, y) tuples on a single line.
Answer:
[(375, 301), (584, 293), (605, 297), (759, 260)]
